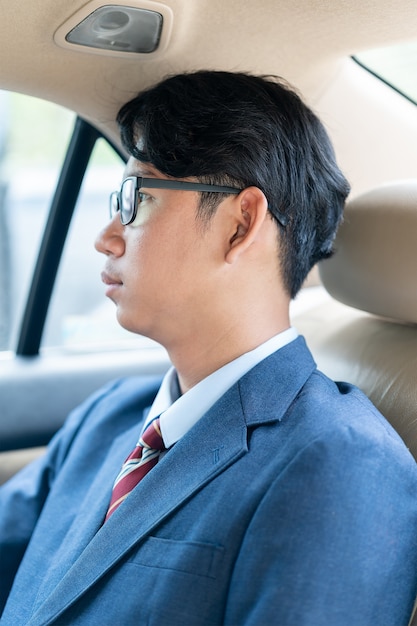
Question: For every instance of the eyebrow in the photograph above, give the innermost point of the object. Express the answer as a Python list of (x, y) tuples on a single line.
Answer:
[(145, 172), (141, 171)]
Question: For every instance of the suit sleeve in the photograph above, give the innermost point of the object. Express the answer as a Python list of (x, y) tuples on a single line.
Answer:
[(23, 496), (333, 541)]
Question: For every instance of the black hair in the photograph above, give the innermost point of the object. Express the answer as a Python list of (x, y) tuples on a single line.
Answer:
[(242, 130)]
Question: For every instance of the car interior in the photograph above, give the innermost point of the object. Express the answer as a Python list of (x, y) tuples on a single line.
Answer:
[(358, 310)]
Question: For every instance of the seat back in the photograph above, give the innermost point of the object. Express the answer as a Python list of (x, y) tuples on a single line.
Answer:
[(367, 334)]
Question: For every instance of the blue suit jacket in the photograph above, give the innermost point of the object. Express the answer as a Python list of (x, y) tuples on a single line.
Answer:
[(292, 501)]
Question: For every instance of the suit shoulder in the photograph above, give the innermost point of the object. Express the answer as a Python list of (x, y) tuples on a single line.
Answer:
[(339, 411), (120, 402)]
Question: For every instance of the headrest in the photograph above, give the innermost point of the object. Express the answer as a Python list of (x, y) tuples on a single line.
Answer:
[(374, 267)]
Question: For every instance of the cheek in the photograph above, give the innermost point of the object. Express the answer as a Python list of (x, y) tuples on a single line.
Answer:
[(136, 256), (143, 215), (147, 263), (163, 254)]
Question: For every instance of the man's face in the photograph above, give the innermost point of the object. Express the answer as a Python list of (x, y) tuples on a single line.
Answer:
[(160, 269)]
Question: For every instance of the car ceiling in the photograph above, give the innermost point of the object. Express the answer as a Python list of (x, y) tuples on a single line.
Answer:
[(304, 42)]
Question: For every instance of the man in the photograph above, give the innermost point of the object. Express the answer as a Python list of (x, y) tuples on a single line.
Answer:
[(279, 496)]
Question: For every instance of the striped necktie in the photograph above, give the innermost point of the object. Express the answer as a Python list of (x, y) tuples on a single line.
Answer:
[(143, 458)]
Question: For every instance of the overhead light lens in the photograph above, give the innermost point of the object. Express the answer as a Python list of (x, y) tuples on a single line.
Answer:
[(110, 22), (119, 28)]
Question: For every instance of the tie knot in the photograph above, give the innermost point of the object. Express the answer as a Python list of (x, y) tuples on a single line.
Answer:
[(152, 437)]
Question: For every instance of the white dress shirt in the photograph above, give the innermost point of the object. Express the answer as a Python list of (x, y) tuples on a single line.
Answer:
[(180, 412)]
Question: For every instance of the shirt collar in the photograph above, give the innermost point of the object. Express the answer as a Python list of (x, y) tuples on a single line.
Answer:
[(180, 412)]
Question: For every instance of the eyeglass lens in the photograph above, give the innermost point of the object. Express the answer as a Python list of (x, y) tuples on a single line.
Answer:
[(127, 200)]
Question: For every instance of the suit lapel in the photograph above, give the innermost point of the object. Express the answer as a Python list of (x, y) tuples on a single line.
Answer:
[(214, 443)]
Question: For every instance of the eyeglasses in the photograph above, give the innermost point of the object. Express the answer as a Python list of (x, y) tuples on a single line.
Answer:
[(127, 200)]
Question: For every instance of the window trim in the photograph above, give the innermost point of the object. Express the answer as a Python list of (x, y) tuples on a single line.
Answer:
[(383, 80)]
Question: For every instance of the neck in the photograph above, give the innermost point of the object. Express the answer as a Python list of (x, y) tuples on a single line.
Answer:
[(202, 353)]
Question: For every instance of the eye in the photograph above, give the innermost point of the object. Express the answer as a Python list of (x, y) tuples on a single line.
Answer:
[(143, 197)]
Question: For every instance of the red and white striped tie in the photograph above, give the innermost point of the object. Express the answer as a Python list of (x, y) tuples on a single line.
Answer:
[(143, 458)]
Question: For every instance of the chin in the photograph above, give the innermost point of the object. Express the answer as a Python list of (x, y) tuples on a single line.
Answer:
[(124, 321), (132, 325)]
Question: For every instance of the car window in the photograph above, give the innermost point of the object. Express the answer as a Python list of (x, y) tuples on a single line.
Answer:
[(33, 139), (80, 317), (396, 65)]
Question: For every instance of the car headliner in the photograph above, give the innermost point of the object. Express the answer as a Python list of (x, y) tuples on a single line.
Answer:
[(304, 42)]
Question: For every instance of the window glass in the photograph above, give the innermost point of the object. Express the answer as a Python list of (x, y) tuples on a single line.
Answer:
[(397, 65), (80, 317), (33, 139)]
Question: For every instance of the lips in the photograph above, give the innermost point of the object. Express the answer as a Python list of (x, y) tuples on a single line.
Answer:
[(110, 280)]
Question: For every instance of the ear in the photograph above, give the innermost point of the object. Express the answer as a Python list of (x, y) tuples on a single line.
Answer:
[(250, 213)]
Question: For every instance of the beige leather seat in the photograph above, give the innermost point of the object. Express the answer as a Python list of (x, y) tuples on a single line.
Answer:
[(367, 335)]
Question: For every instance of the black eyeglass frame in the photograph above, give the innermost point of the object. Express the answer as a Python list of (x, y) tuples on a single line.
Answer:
[(167, 183), (159, 183)]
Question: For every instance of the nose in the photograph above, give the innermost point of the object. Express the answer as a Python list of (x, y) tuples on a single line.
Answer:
[(110, 240)]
